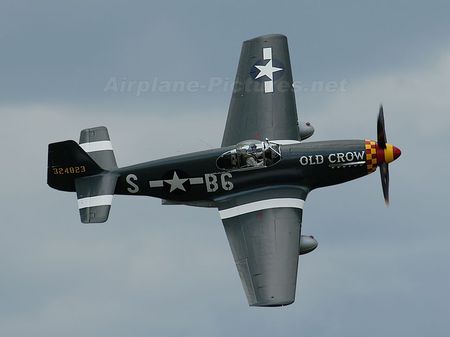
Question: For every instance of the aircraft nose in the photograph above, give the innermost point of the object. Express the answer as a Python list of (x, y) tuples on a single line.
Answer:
[(387, 154), (397, 152)]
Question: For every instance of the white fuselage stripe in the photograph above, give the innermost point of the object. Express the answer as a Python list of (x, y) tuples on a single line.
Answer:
[(260, 205), (97, 146), (99, 200)]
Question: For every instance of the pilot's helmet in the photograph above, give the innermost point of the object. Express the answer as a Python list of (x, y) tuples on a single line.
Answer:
[(252, 148)]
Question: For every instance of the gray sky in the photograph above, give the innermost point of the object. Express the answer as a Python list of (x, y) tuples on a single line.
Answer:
[(157, 270)]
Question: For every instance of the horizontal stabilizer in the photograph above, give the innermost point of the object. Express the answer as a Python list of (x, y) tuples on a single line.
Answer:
[(95, 194), (96, 142)]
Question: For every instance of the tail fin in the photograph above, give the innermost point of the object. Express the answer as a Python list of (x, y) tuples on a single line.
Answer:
[(85, 168), (67, 161)]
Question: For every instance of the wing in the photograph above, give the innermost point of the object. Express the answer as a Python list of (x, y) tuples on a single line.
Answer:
[(263, 100), (263, 229)]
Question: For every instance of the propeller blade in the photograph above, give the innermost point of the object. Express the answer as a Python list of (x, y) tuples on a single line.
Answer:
[(384, 173), (381, 131)]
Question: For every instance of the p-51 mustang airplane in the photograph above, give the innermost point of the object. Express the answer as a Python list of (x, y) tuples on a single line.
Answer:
[(258, 179)]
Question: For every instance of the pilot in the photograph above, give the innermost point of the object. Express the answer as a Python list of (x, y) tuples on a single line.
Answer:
[(252, 147), (253, 158), (250, 160)]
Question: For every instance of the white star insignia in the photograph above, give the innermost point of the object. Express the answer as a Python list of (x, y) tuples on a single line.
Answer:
[(267, 70), (176, 182)]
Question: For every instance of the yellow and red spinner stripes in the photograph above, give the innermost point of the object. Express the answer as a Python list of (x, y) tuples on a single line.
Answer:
[(371, 155), (389, 153)]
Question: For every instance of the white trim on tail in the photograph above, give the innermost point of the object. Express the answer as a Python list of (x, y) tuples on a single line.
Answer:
[(99, 200), (97, 146)]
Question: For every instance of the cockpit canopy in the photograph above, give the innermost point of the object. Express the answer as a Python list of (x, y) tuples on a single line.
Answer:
[(250, 154)]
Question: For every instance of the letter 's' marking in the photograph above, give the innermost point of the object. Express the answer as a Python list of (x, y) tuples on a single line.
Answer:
[(130, 180)]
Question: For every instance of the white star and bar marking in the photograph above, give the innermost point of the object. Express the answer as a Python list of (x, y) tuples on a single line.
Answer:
[(267, 70), (176, 183)]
